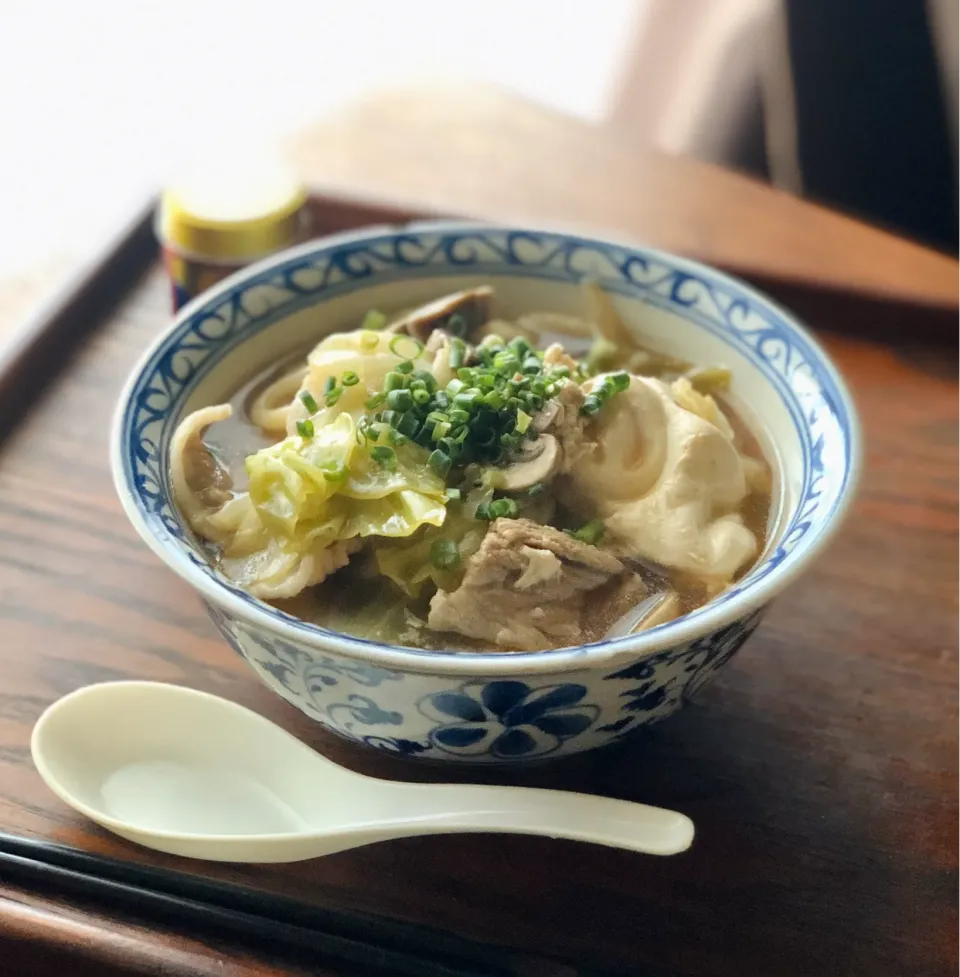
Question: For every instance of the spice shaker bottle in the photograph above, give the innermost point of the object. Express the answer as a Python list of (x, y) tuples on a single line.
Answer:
[(220, 217)]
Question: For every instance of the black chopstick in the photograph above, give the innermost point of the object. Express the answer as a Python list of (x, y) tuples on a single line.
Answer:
[(376, 945)]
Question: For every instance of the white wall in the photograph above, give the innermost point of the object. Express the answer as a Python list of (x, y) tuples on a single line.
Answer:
[(99, 97)]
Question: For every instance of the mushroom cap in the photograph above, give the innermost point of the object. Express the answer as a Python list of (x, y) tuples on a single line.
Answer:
[(472, 303), (539, 462)]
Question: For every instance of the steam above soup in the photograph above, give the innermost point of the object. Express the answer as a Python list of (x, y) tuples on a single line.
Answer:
[(451, 480)]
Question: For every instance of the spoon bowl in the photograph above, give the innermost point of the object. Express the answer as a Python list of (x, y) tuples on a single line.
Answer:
[(191, 774)]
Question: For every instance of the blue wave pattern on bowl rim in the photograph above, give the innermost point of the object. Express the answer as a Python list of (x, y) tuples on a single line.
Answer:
[(524, 708)]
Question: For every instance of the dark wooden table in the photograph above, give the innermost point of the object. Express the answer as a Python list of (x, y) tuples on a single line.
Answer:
[(820, 768)]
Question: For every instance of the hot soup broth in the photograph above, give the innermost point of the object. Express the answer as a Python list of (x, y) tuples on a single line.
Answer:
[(444, 479)]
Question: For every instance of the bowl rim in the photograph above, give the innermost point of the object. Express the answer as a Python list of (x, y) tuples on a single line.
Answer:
[(673, 634)]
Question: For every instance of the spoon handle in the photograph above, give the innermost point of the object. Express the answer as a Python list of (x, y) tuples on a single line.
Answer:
[(448, 808)]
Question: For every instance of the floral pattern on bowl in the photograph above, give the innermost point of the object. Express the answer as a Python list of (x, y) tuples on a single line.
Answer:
[(508, 718), (502, 720)]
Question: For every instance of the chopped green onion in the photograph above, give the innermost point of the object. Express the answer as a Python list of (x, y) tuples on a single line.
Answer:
[(369, 341), (457, 325), (483, 511), (385, 457), (305, 428), (591, 533), (333, 396), (504, 509), (620, 381), (398, 342), (531, 365), (466, 401), (408, 425), (444, 554), (306, 398), (485, 438), (486, 411), (400, 399), (458, 352), (450, 446), (506, 363), (334, 472), (329, 384), (374, 320), (395, 438), (439, 461), (349, 379), (591, 406)]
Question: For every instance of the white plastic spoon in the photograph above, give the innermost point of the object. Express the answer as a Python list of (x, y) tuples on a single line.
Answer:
[(191, 774)]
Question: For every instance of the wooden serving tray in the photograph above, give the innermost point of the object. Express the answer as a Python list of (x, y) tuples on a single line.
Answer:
[(820, 768)]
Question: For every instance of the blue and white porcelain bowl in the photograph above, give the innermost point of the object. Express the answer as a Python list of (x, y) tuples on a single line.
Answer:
[(491, 707)]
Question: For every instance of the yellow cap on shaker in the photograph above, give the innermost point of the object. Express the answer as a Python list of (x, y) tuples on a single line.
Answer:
[(219, 216)]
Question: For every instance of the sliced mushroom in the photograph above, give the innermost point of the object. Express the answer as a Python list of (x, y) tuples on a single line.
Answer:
[(537, 463), (473, 304), (545, 417)]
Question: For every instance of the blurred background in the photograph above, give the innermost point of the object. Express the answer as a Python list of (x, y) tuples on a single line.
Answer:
[(848, 102)]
